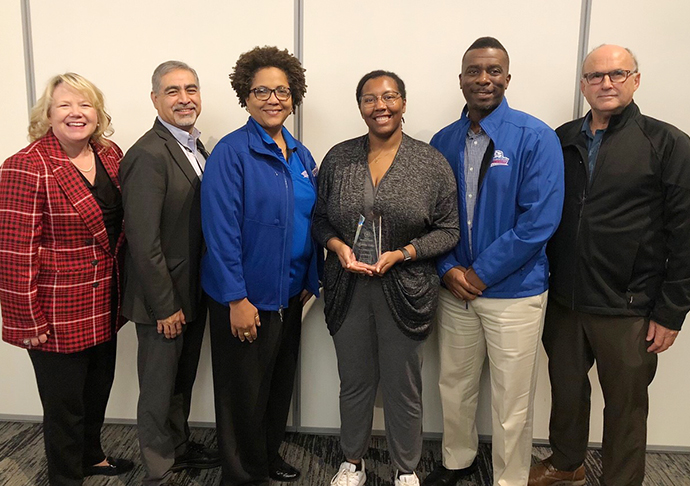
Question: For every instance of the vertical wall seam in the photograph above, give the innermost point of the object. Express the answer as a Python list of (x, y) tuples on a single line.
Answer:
[(29, 72), (582, 49), (299, 123), (299, 54)]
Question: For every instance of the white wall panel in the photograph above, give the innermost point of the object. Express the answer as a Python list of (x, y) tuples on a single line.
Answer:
[(14, 122), (658, 34), (18, 393), (117, 45), (423, 42)]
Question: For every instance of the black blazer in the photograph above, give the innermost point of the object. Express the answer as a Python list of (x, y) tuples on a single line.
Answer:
[(161, 198)]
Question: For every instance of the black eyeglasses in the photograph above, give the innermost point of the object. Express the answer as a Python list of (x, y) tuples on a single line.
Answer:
[(263, 93), (616, 76), (389, 98)]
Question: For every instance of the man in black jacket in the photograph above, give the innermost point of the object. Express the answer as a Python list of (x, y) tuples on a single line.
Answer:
[(620, 271)]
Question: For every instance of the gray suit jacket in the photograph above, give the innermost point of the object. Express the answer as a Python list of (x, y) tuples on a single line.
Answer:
[(161, 198)]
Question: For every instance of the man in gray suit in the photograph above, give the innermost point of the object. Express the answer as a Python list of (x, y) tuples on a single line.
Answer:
[(161, 177)]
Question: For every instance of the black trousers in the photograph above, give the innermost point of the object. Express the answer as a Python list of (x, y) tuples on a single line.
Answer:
[(574, 341), (253, 385), (74, 390), (167, 371)]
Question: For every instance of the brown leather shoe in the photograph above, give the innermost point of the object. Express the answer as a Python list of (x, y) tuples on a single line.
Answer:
[(544, 474)]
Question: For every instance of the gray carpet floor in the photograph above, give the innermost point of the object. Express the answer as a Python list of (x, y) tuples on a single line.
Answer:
[(22, 460)]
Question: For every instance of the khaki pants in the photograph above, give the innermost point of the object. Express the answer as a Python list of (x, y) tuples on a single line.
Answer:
[(509, 331)]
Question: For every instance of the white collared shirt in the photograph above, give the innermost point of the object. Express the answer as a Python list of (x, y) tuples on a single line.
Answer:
[(187, 141)]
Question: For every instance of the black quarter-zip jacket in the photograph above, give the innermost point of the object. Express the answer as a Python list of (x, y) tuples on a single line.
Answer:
[(623, 245)]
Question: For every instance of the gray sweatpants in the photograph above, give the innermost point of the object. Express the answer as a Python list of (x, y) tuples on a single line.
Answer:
[(370, 348)]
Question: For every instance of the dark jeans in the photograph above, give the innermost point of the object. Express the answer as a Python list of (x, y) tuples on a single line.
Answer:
[(574, 341), (74, 390), (253, 385)]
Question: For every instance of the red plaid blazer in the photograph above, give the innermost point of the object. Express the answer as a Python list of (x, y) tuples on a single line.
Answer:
[(56, 266)]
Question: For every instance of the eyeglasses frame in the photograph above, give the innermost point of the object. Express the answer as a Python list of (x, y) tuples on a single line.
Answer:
[(627, 72), (272, 92), (361, 101)]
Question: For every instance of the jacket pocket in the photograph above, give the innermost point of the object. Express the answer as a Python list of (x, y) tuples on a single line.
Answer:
[(416, 291), (174, 264)]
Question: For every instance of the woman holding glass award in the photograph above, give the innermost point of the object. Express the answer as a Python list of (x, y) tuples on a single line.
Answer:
[(387, 205)]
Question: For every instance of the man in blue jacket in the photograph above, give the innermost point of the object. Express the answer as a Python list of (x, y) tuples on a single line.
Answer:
[(509, 169)]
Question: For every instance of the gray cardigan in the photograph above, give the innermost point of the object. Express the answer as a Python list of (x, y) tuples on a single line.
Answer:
[(417, 199)]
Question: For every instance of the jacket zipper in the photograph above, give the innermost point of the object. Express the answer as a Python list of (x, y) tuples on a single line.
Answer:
[(579, 225), (476, 206), (287, 203)]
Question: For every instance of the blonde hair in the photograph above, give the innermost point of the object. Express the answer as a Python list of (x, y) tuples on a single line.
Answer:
[(40, 124)]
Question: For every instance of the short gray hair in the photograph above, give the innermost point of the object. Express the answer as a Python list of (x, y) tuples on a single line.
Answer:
[(634, 58), (167, 67)]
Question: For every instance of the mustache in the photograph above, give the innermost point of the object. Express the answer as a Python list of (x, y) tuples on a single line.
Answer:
[(184, 106)]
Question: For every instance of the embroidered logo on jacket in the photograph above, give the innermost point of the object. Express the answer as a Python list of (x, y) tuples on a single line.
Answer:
[(499, 159)]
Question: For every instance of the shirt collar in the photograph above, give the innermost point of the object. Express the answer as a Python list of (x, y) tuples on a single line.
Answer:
[(586, 127), (491, 123), (185, 138), (290, 142), (480, 134)]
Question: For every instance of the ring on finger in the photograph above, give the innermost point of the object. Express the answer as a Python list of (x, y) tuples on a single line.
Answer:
[(27, 342), (247, 333)]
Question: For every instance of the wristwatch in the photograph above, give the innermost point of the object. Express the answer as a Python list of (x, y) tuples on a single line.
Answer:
[(406, 254)]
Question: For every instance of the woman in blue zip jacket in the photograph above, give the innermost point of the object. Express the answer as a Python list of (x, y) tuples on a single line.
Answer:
[(261, 266)]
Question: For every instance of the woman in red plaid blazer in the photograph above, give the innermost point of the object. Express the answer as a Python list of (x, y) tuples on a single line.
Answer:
[(60, 236)]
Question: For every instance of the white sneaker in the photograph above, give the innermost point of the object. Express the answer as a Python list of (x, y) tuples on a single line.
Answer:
[(406, 479), (348, 476)]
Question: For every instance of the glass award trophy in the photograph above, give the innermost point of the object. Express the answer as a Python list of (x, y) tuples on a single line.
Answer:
[(367, 242)]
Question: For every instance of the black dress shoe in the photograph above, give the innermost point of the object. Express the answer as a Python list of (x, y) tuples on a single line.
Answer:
[(282, 471), (115, 466), (198, 456), (441, 476)]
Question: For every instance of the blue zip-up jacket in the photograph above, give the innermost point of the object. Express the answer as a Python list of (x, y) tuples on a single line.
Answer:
[(247, 209), (518, 206)]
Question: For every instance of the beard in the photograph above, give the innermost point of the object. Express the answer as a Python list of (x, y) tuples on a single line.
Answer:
[(185, 120)]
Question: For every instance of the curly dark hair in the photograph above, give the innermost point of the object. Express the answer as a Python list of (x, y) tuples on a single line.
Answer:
[(262, 57)]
